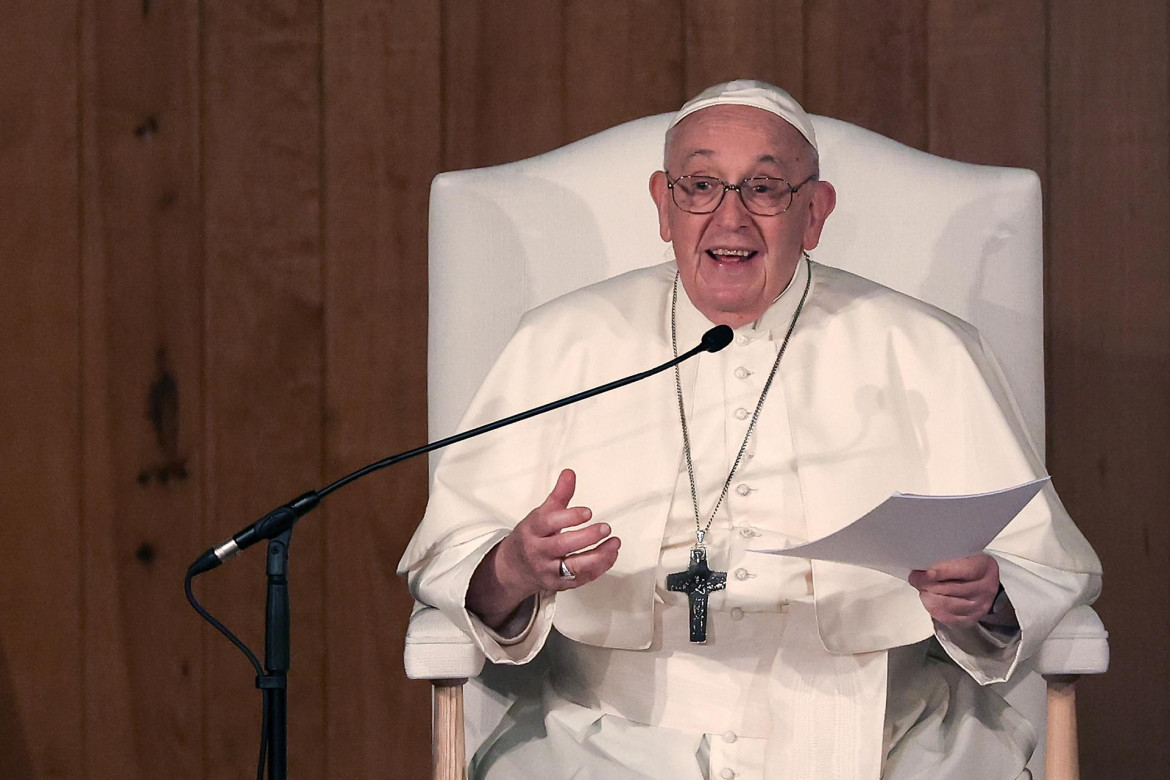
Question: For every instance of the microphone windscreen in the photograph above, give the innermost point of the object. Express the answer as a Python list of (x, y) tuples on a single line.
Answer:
[(717, 338)]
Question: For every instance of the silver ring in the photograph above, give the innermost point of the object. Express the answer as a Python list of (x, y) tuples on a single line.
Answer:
[(565, 573)]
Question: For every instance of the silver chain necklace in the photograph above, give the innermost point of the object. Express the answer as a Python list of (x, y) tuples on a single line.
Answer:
[(701, 531)]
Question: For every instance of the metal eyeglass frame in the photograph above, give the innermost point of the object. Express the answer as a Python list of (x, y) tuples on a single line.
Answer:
[(738, 191)]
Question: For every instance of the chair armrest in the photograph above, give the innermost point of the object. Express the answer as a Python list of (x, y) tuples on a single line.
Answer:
[(437, 650), (1078, 645)]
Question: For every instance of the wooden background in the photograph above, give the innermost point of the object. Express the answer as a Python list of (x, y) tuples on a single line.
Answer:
[(213, 297)]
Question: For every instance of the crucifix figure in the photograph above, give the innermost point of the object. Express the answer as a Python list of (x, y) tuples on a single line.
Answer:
[(698, 581)]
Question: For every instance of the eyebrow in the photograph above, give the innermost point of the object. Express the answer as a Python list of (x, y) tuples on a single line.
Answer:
[(763, 158)]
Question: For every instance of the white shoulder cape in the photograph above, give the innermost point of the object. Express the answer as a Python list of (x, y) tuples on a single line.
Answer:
[(885, 393)]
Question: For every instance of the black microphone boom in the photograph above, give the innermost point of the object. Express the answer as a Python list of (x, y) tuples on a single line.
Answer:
[(277, 525), (285, 516)]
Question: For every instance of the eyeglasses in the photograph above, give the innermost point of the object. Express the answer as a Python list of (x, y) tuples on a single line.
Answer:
[(764, 196)]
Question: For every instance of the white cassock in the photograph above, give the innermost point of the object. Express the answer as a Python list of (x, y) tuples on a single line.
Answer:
[(811, 669)]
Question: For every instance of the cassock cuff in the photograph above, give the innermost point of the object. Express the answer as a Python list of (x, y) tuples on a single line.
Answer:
[(518, 625), (520, 639), (988, 656), (443, 583)]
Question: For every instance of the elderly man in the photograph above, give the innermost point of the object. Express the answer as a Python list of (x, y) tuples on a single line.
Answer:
[(835, 393)]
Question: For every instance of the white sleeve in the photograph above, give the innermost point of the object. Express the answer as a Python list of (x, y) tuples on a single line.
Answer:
[(1040, 595)]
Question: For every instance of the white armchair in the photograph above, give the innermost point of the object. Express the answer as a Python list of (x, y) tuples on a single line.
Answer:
[(966, 238)]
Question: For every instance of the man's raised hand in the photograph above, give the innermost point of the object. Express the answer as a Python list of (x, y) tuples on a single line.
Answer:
[(528, 560)]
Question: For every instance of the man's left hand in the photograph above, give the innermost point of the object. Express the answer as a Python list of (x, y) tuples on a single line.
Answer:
[(958, 592)]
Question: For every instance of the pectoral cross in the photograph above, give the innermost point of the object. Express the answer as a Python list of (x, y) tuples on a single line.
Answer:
[(698, 581)]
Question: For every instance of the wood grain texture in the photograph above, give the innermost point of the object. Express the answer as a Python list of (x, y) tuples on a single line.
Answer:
[(382, 139), (866, 63), (503, 81), (987, 84), (751, 39), (622, 61), (450, 756), (143, 326), (41, 726), (264, 355), (211, 212), (1061, 757), (1109, 362)]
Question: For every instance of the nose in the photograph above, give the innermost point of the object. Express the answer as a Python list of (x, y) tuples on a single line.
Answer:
[(732, 212)]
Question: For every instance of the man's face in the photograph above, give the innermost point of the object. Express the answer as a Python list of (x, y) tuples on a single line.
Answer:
[(733, 263)]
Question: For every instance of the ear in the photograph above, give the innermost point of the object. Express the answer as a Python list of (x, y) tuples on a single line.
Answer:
[(820, 206), (661, 195)]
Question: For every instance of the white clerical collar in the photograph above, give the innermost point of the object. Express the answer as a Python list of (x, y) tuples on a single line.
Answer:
[(772, 324)]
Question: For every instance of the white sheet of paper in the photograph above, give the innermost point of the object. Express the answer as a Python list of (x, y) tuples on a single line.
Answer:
[(907, 531)]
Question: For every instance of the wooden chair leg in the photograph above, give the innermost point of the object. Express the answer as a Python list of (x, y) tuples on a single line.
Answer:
[(448, 750), (1062, 762)]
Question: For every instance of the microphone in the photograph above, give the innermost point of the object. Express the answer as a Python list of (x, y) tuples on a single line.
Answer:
[(285, 516), (717, 338)]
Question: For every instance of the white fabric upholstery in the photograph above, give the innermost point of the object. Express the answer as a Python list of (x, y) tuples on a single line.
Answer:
[(1079, 645), (437, 650), (966, 238)]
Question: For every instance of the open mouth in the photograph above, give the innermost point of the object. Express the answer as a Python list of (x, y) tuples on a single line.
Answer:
[(724, 255)]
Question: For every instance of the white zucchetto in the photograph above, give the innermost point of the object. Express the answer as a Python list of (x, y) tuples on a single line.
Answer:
[(757, 94)]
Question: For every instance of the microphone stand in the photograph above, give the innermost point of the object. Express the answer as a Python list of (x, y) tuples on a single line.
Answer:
[(273, 684), (277, 527)]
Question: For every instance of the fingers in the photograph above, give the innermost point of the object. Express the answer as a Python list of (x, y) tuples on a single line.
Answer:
[(562, 492), (554, 514), (566, 543), (957, 574), (953, 588), (531, 555), (589, 565), (973, 567), (958, 592), (543, 522), (577, 549), (952, 611), (585, 566)]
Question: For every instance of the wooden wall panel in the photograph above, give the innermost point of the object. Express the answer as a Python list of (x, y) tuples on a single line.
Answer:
[(866, 63), (244, 185), (503, 81), (41, 723), (143, 324), (263, 371), (1108, 354), (734, 39), (382, 147), (986, 82), (621, 62)]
